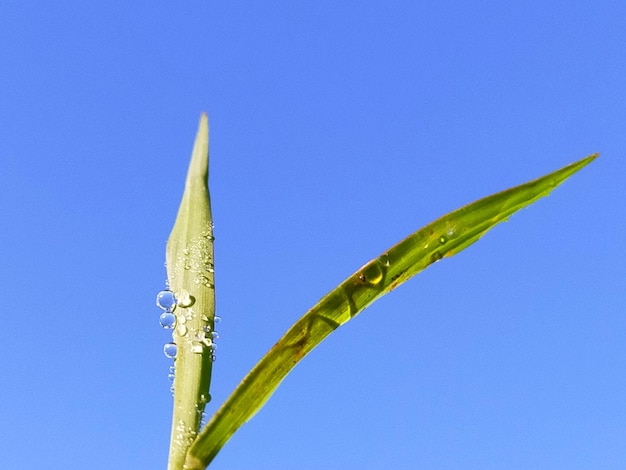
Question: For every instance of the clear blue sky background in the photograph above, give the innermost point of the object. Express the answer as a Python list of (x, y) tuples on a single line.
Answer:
[(337, 128)]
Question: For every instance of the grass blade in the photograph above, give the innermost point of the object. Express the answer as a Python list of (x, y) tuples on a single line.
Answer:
[(189, 262), (442, 238)]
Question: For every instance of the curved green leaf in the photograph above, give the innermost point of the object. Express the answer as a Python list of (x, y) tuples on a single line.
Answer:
[(442, 238)]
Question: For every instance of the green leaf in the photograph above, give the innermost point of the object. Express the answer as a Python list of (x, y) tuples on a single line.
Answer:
[(189, 262), (442, 238)]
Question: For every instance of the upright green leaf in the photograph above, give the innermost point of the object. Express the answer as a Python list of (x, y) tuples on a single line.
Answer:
[(189, 262), (441, 238)]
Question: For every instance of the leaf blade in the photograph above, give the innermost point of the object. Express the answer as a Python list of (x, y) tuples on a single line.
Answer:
[(189, 255), (444, 237)]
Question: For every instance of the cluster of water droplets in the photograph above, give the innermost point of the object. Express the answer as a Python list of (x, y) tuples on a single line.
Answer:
[(184, 435), (206, 339), (204, 399), (437, 241), (171, 319)]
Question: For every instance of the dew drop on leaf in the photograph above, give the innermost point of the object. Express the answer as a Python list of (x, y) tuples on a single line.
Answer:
[(436, 256), (166, 300), (204, 280), (170, 350), (372, 273), (168, 320), (185, 299)]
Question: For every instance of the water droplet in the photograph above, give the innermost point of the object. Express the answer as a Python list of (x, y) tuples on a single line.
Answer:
[(371, 273), (436, 256), (203, 339), (206, 328), (204, 280), (185, 299), (170, 350), (197, 348), (182, 319), (443, 239), (209, 267), (168, 320), (166, 300), (181, 330), (213, 358), (217, 319), (215, 336)]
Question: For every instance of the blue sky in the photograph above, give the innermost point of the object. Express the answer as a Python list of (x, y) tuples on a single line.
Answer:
[(336, 130)]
